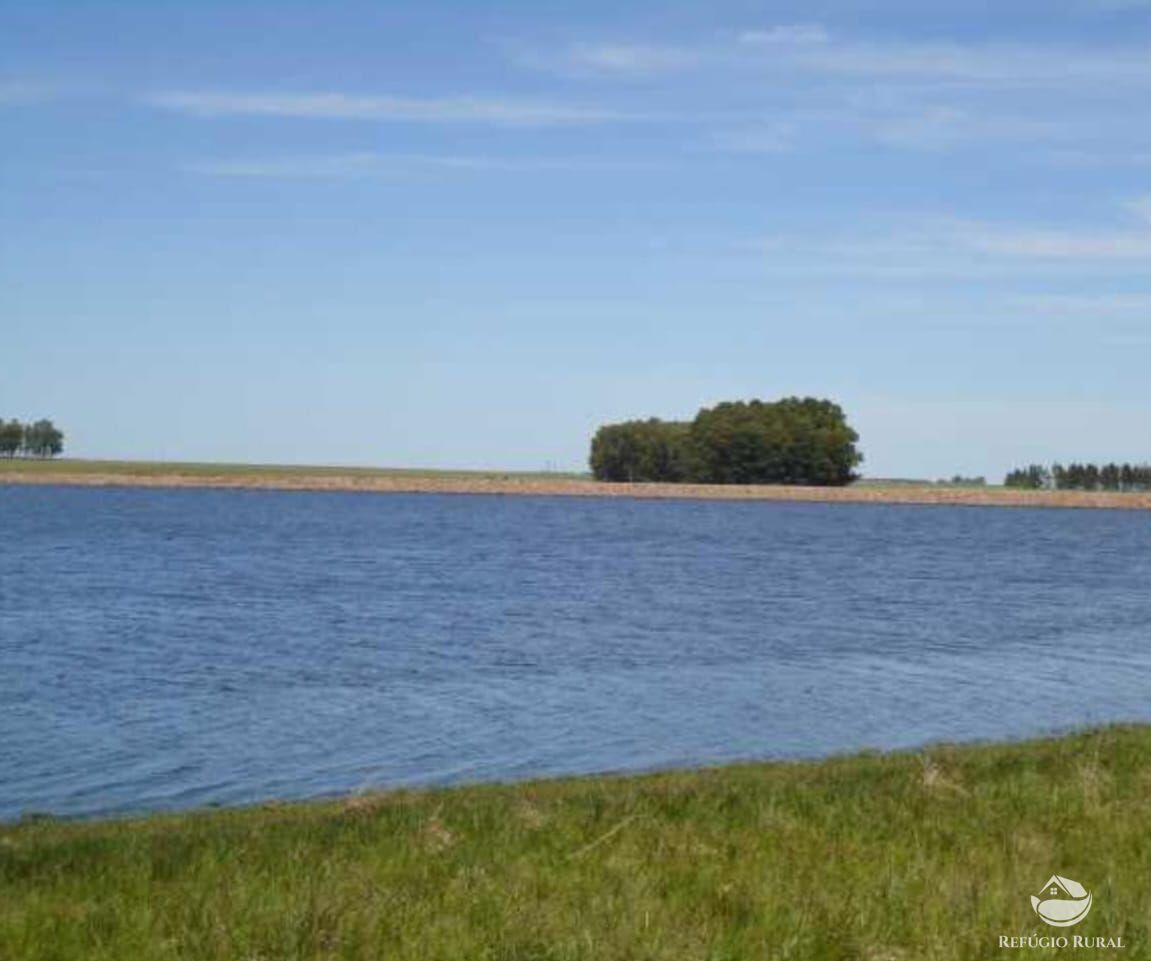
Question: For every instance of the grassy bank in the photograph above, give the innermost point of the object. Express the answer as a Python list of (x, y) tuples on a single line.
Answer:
[(910, 856), (31, 467), (401, 480)]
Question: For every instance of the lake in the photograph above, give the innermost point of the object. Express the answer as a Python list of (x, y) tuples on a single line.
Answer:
[(163, 649)]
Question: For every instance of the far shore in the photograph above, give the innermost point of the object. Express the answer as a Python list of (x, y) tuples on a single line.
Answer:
[(415, 481)]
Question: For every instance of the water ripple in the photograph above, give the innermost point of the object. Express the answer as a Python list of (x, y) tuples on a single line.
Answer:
[(161, 649)]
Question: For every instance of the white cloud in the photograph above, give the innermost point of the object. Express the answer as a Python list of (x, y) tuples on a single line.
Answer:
[(991, 64), (1057, 245), (1141, 208), (766, 139), (811, 48), (339, 106), (366, 165), (336, 166), (608, 58), (1045, 98), (1087, 306), (791, 34), (1117, 4), (630, 58), (13, 93), (1103, 155), (938, 120), (1047, 65), (916, 250), (930, 129)]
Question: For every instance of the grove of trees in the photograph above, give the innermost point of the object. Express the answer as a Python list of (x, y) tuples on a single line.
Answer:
[(1082, 477), (39, 439), (789, 441)]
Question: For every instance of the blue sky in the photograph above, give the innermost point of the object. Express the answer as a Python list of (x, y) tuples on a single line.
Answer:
[(464, 234)]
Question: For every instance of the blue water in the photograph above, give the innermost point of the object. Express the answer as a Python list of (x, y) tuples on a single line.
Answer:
[(169, 648)]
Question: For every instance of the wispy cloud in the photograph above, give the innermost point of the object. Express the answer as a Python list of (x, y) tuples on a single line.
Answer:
[(788, 34), (995, 64), (900, 123), (761, 139), (953, 248), (941, 127), (367, 165), (334, 166), (618, 58), (1092, 245), (1102, 155), (623, 58), (341, 106), (1059, 245), (1141, 208), (1088, 306), (812, 48), (16, 92), (1116, 4), (907, 94)]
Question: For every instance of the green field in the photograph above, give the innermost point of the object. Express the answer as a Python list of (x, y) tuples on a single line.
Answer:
[(140, 468), (876, 857), (74, 467)]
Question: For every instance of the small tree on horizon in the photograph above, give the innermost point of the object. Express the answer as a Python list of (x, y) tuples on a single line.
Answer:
[(11, 437), (41, 438)]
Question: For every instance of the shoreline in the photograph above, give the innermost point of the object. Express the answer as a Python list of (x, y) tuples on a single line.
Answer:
[(927, 854), (382, 792), (364, 480)]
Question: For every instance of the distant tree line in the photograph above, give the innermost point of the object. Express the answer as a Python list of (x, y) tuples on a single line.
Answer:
[(1082, 477), (39, 439), (789, 441)]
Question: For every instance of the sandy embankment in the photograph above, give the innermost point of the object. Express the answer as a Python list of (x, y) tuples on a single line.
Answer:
[(566, 487)]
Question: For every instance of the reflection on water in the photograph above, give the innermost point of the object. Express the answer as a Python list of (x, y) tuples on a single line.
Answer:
[(171, 648)]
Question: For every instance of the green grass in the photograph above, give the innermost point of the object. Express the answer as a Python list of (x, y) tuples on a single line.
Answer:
[(928, 855), (197, 469), (193, 469)]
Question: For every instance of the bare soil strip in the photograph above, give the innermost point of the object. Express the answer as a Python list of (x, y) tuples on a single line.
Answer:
[(415, 483)]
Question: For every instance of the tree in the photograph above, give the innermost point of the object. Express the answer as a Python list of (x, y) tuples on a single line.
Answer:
[(791, 441), (39, 439), (1034, 477), (1083, 477), (641, 450), (11, 437)]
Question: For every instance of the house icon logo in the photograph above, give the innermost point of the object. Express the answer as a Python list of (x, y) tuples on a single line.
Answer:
[(1062, 902)]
